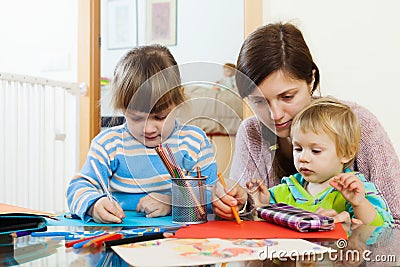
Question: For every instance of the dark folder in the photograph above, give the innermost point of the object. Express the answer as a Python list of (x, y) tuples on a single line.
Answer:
[(15, 219)]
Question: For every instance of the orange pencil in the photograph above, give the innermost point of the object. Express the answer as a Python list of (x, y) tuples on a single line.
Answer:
[(99, 240), (234, 210), (71, 243)]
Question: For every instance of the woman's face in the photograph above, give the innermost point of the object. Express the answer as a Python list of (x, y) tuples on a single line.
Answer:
[(278, 99)]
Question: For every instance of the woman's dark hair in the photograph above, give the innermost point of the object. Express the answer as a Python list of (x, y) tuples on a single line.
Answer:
[(273, 47)]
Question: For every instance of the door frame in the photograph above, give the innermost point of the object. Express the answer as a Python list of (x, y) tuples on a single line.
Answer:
[(89, 41)]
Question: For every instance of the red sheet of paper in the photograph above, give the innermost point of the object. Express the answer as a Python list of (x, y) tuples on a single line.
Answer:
[(253, 230)]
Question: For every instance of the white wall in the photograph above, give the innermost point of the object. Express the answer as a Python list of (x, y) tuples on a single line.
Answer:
[(207, 30), (39, 38), (356, 45)]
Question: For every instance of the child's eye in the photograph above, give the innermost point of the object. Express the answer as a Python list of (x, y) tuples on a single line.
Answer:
[(298, 149), (160, 117), (136, 118), (256, 100), (259, 104), (316, 151)]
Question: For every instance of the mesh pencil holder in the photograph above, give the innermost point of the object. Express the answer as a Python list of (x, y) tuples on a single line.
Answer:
[(189, 200)]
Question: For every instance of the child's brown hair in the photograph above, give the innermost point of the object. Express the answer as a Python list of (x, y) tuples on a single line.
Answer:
[(230, 65), (147, 79)]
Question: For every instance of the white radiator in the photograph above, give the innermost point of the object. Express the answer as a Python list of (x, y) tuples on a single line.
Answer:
[(39, 122)]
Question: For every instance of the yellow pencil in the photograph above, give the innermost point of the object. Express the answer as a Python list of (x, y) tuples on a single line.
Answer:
[(234, 210)]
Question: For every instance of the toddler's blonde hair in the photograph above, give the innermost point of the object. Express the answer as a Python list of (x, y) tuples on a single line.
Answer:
[(327, 115)]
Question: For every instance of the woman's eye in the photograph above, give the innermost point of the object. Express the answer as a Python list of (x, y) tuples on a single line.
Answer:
[(287, 97)]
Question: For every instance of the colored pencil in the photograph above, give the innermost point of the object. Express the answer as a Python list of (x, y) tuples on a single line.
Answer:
[(136, 239), (96, 242), (234, 209), (198, 170), (83, 241), (175, 171), (102, 184)]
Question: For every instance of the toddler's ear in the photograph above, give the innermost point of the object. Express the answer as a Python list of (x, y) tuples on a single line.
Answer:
[(347, 158)]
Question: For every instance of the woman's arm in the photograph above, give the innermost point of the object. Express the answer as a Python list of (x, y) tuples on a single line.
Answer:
[(247, 161), (378, 161)]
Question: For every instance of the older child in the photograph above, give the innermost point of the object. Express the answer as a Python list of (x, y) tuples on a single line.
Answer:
[(325, 138), (146, 88)]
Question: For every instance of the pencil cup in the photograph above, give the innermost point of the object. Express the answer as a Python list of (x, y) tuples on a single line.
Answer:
[(189, 200)]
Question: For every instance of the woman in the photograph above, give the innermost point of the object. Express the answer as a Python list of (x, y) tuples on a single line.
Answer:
[(278, 77)]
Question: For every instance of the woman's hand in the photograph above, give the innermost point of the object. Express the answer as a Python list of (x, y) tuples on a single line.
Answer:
[(259, 191), (225, 198), (105, 211), (155, 205)]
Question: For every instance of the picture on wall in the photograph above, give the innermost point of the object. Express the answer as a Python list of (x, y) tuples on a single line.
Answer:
[(122, 24), (161, 22)]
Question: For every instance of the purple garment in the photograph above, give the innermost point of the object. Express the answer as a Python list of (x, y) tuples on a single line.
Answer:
[(295, 218)]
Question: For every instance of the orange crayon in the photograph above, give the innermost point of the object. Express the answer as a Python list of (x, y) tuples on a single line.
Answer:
[(234, 210)]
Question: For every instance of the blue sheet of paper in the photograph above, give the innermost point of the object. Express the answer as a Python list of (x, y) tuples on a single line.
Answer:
[(132, 219)]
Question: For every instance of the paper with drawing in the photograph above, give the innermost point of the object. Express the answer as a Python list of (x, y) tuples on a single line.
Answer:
[(184, 252)]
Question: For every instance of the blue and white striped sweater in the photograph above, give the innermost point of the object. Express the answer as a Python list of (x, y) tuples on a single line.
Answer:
[(132, 170)]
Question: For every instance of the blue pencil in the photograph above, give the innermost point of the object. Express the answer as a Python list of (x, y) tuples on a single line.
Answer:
[(21, 234), (37, 234)]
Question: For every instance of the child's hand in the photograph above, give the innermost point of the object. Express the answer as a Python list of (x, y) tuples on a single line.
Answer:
[(105, 211), (351, 188), (343, 217), (259, 191), (155, 205)]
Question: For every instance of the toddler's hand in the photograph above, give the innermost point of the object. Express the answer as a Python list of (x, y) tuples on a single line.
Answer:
[(105, 211), (259, 191), (155, 205), (342, 217), (350, 186)]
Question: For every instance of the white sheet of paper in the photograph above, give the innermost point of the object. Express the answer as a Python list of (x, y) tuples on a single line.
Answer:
[(183, 252)]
